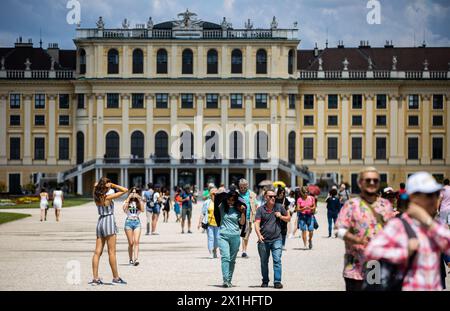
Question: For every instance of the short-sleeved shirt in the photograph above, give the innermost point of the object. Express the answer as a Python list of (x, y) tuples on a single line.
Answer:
[(333, 205), (445, 204), (186, 204), (308, 202), (246, 198), (229, 224), (270, 225), (357, 217)]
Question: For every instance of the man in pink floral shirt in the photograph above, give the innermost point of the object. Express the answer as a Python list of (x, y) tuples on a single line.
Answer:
[(359, 220), (433, 237)]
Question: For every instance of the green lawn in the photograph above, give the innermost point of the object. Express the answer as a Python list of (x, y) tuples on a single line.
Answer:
[(68, 202), (7, 217)]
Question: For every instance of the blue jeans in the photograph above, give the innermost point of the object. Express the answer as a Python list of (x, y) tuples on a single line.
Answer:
[(264, 250), (213, 237), (332, 217), (229, 247)]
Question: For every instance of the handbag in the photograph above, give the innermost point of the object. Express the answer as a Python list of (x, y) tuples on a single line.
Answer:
[(204, 226), (391, 275), (316, 224)]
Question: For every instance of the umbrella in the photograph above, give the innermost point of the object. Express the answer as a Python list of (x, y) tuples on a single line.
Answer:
[(279, 183), (265, 183), (313, 190)]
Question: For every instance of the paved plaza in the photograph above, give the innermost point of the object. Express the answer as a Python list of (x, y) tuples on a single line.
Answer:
[(42, 256)]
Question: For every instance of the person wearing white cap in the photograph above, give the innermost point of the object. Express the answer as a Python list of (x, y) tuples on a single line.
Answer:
[(396, 246)]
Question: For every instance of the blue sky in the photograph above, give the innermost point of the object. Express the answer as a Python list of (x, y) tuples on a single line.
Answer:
[(401, 20)]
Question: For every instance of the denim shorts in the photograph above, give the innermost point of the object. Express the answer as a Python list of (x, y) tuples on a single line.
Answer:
[(156, 209), (305, 222), (132, 224)]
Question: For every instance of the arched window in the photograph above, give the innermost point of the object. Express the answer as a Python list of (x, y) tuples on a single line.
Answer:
[(113, 61), (82, 61), (212, 146), (261, 61), (262, 146), (188, 62), (161, 61), (212, 62), (236, 61), (291, 62), (138, 61), (161, 146), (187, 145), (80, 148), (137, 145), (236, 147), (291, 147), (112, 144)]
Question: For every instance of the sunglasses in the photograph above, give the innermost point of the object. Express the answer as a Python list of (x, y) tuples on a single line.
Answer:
[(271, 196), (369, 181)]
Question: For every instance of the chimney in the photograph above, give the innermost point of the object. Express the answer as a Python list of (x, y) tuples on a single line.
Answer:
[(340, 44), (53, 51), (20, 44), (316, 51), (364, 44), (388, 44)]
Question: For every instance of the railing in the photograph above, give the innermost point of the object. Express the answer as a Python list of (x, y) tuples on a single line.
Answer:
[(413, 74), (382, 74), (37, 74), (289, 34), (438, 74), (40, 74), (358, 74), (378, 74), (15, 74), (333, 74)]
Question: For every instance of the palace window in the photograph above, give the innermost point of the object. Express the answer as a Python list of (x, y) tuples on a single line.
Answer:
[(413, 120), (292, 100), (137, 101), (438, 120), (332, 148), (39, 101), (82, 61), (308, 120), (261, 62), (64, 120), (308, 148), (413, 101), (332, 120), (381, 101), (356, 148), (39, 120), (64, 148), (308, 101), (438, 102), (236, 101), (332, 101), (161, 61), (413, 148), (381, 120), (39, 148), (261, 101), (212, 62), (112, 100), (138, 61), (380, 143), (14, 120), (236, 61), (187, 101), (212, 101), (14, 101), (357, 120), (162, 101), (438, 148), (188, 62), (291, 148), (113, 61), (357, 101), (291, 56), (14, 148), (63, 101)]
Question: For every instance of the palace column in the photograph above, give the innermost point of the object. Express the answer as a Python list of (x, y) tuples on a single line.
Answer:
[(345, 128), (320, 129), (369, 129)]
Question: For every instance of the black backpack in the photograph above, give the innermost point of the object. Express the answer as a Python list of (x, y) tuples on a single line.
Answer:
[(391, 275)]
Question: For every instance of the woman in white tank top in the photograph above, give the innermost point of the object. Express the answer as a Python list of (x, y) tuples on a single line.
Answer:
[(58, 198), (43, 204)]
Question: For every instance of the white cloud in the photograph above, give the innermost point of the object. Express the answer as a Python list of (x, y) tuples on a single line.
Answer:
[(228, 5)]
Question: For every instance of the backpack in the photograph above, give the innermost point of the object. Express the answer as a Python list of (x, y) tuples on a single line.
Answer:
[(391, 275), (150, 203)]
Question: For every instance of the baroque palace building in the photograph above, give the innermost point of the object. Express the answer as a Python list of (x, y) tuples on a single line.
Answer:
[(188, 101)]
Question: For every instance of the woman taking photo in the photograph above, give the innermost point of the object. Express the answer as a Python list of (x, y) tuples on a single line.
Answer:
[(306, 205), (104, 195), (43, 204), (133, 206), (208, 222), (229, 213)]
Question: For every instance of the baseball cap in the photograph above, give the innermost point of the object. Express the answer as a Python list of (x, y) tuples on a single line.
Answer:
[(388, 189), (422, 182)]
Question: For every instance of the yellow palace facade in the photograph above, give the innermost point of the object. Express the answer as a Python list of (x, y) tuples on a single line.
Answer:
[(192, 102)]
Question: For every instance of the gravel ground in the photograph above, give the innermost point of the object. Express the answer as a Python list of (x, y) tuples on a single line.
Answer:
[(46, 256)]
